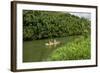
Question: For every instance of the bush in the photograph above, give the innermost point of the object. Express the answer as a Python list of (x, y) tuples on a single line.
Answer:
[(75, 50), (49, 24)]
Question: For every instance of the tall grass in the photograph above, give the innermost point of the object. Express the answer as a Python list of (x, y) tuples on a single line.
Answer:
[(77, 49)]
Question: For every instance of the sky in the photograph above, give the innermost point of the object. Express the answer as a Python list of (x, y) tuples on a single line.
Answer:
[(82, 14)]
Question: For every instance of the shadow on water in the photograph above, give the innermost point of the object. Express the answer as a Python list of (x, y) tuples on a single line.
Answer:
[(35, 51)]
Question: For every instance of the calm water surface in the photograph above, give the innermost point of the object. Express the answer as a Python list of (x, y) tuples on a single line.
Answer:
[(36, 50)]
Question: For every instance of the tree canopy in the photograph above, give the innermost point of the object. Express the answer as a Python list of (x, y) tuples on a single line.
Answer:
[(50, 24)]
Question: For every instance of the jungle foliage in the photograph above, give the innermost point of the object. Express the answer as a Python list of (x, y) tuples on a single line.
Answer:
[(50, 24)]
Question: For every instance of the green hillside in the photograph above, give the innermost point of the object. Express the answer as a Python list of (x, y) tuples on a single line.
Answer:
[(50, 24)]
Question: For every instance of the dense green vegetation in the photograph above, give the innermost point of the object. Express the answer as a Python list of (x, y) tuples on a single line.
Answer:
[(49, 24), (77, 49), (40, 27)]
